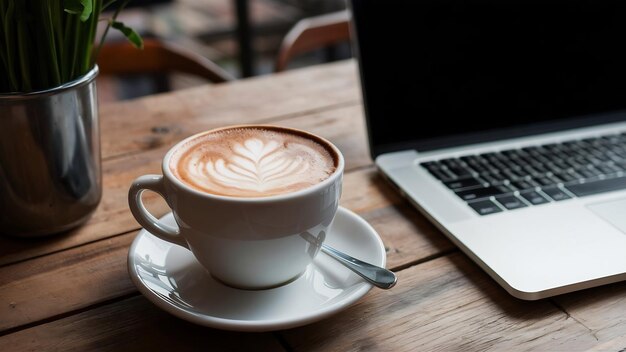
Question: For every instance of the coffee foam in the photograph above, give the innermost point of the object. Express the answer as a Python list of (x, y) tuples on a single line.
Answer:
[(252, 162)]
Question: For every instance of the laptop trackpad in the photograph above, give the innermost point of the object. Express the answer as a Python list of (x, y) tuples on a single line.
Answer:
[(613, 211)]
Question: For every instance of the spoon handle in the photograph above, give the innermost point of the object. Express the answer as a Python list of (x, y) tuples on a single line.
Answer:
[(377, 276)]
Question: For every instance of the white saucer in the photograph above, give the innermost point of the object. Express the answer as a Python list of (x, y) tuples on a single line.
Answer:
[(170, 277)]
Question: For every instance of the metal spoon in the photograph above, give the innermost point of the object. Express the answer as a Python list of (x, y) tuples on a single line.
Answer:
[(377, 276)]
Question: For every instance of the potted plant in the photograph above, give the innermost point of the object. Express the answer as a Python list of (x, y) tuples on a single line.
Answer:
[(50, 178)]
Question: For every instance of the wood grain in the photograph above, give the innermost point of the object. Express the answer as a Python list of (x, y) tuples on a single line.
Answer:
[(408, 236), (447, 304), (73, 279), (72, 292), (133, 324), (153, 124), (617, 344), (45, 287), (602, 310), (34, 290), (113, 216), (344, 127), (161, 120)]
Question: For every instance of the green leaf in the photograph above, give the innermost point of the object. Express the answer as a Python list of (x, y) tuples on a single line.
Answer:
[(76, 7), (9, 36), (129, 33)]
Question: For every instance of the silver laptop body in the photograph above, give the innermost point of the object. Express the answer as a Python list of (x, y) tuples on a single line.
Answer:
[(541, 230)]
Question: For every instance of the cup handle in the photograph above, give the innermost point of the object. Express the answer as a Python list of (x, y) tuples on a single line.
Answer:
[(142, 215)]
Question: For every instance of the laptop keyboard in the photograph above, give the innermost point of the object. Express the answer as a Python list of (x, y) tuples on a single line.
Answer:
[(518, 178)]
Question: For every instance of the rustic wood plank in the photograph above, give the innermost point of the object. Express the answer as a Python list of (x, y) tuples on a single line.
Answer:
[(159, 120), (62, 282), (71, 292), (73, 279), (344, 127), (617, 344), (133, 324), (601, 309), (408, 236), (113, 217), (447, 304)]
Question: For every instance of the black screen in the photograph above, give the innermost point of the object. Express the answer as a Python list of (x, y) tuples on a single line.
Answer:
[(479, 70)]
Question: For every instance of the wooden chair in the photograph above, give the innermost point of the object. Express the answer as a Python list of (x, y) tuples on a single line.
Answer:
[(313, 33), (157, 60)]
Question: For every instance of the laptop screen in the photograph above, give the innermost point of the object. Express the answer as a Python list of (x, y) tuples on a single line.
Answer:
[(479, 70)]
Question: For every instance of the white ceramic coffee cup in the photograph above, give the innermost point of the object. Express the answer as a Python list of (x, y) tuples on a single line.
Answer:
[(245, 242)]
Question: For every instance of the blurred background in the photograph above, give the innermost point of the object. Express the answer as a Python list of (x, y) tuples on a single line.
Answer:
[(240, 36)]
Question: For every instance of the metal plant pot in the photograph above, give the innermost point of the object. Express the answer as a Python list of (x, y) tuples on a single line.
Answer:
[(50, 177)]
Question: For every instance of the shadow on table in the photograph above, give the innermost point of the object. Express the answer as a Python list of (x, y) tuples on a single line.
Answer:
[(440, 294), (415, 221), (134, 324), (445, 247), (15, 249)]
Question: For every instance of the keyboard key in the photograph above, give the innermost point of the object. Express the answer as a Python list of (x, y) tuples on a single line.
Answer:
[(510, 175), (562, 170), (439, 174), (460, 171), (469, 159), (586, 172), (522, 184), (590, 141), (484, 192), (430, 165), (567, 176), (450, 162), (442, 174), (510, 153), (555, 193), (530, 150), (599, 186), (494, 179), (510, 202), (485, 207), (551, 146), (534, 198), (480, 168), (530, 170), (617, 166), (544, 181), (541, 168), (463, 183), (576, 162), (607, 169)]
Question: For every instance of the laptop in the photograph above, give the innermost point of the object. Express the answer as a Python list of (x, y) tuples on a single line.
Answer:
[(504, 123)]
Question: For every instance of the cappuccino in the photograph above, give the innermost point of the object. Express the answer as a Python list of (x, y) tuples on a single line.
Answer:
[(253, 161), (246, 200)]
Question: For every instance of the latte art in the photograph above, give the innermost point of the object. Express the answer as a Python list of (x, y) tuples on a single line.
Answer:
[(254, 166), (252, 162)]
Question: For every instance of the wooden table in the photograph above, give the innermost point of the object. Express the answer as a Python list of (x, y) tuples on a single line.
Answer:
[(72, 292)]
